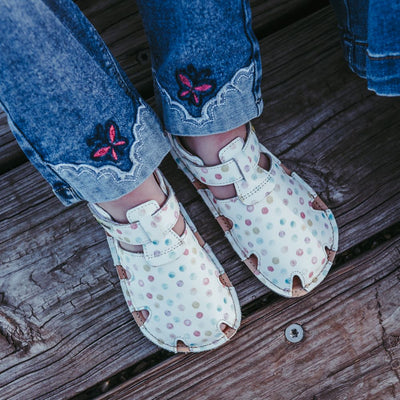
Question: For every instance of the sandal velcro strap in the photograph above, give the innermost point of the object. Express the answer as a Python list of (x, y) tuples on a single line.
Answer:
[(216, 175), (150, 226), (239, 167), (121, 232), (156, 222), (209, 175), (163, 244)]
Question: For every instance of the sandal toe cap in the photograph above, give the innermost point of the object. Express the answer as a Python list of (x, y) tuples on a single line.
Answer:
[(286, 232)]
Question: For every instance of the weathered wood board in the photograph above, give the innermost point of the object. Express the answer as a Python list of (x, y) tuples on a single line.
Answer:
[(350, 350), (63, 322)]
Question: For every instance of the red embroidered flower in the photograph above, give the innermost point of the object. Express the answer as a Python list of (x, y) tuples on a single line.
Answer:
[(193, 85), (109, 140)]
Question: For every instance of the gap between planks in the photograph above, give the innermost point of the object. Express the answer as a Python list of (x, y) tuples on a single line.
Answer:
[(351, 347)]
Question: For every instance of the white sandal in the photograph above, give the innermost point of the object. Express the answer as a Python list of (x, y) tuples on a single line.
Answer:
[(277, 224), (176, 290)]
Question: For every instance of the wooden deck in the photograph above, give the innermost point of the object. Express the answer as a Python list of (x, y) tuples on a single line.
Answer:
[(65, 331)]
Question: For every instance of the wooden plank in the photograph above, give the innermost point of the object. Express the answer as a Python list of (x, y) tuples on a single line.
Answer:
[(350, 350), (120, 25), (63, 320), (60, 298), (10, 154)]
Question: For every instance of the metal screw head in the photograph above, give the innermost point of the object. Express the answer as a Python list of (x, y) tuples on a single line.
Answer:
[(294, 333)]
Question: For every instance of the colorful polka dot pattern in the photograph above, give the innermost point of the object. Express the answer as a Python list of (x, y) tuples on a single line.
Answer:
[(283, 231), (184, 296), (278, 225), (186, 299)]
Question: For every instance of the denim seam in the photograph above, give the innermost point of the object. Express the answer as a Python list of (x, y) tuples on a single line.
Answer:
[(115, 67), (349, 37), (252, 40), (66, 186), (374, 58), (109, 60), (356, 42), (73, 194), (347, 15)]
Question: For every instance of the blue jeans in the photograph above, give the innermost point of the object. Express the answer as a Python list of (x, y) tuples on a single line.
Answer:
[(81, 122), (77, 116), (370, 36)]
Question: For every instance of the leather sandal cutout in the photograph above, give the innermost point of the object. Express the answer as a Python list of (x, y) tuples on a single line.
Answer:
[(176, 289), (276, 223)]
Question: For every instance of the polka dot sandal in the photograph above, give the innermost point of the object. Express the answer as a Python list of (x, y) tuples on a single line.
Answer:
[(277, 224), (176, 290)]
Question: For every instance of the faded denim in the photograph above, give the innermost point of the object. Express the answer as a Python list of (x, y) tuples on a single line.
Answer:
[(370, 36), (77, 116), (206, 64), (83, 125)]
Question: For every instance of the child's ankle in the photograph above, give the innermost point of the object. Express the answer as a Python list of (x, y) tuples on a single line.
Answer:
[(148, 190), (207, 147)]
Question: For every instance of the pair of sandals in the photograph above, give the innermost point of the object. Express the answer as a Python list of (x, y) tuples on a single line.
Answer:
[(176, 290)]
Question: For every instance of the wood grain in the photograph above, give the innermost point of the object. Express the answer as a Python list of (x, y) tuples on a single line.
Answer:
[(64, 325), (351, 348)]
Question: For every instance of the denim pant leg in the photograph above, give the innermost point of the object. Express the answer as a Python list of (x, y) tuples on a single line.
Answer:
[(370, 33), (70, 106), (206, 64)]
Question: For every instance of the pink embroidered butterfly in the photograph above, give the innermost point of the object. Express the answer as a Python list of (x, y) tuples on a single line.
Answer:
[(110, 141), (192, 89)]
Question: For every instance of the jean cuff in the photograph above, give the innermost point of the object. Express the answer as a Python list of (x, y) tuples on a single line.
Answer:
[(380, 70), (107, 182), (384, 74), (235, 104)]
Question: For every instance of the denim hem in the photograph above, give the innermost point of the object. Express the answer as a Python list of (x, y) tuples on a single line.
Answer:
[(234, 105), (66, 195), (389, 88), (107, 182), (382, 72), (385, 80), (355, 54)]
